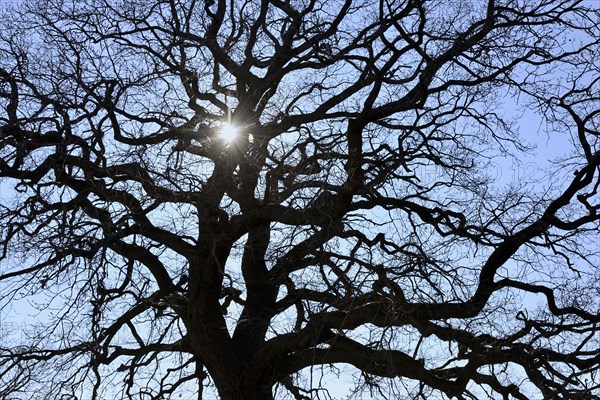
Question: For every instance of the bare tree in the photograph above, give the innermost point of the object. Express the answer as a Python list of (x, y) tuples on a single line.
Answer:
[(350, 226)]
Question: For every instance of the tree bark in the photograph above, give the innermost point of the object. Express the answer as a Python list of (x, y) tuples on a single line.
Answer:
[(247, 391)]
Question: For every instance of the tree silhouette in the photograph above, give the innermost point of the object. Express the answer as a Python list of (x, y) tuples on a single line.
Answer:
[(351, 226)]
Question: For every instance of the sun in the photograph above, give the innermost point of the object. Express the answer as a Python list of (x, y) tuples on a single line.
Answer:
[(229, 132)]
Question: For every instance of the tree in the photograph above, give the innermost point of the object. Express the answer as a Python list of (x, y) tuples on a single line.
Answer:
[(351, 225)]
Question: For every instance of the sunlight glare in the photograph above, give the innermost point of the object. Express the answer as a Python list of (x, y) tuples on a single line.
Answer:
[(229, 132)]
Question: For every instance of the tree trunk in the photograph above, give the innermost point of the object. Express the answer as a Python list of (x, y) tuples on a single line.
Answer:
[(247, 391)]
